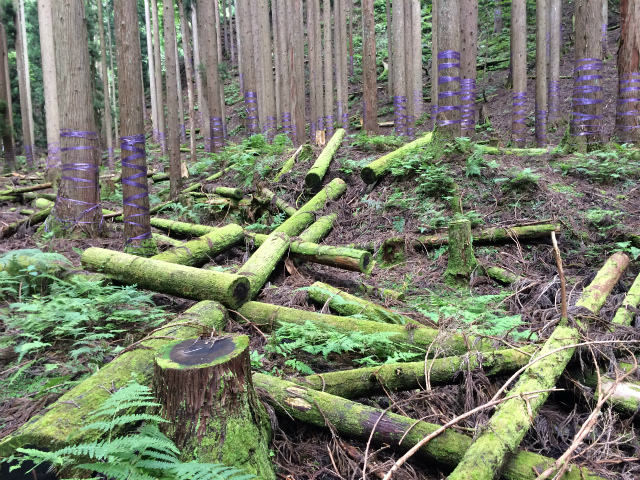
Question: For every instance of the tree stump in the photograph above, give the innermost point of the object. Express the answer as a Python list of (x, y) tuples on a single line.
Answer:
[(206, 391), (461, 259)]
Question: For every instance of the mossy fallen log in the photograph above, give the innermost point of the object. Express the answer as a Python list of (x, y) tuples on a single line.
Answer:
[(283, 206), (382, 293), (368, 381), (264, 260), (268, 316), (319, 229), (306, 215), (346, 304), (212, 410), (625, 314), (199, 251), (181, 229), (160, 177), (321, 165), (43, 203), (488, 236), (338, 257), (501, 275), (28, 197), (31, 188), (303, 153), (187, 282), (626, 396), (34, 219), (10, 198), (61, 423), (513, 418), (356, 420), (528, 152), (379, 168), (158, 237), (228, 192)]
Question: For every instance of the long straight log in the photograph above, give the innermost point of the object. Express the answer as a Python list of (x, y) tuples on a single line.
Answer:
[(338, 257), (379, 168), (529, 152), (319, 229), (624, 315), (321, 165), (228, 192), (158, 237), (34, 219), (30, 188), (61, 423), (269, 316), (186, 282), (392, 377), (356, 420), (264, 260), (305, 216), (199, 251), (513, 418), (181, 229), (346, 304)]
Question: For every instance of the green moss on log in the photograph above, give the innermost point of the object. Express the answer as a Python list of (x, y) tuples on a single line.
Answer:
[(321, 165), (264, 260), (461, 262), (594, 296), (625, 314), (34, 219), (181, 229), (186, 282), (278, 202), (61, 423), (356, 420), (501, 275), (304, 153), (379, 168), (199, 251), (319, 229), (346, 304)]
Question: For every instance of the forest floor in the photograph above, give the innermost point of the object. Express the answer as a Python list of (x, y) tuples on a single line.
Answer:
[(595, 199)]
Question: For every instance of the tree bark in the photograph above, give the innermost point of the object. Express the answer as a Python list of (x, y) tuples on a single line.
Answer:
[(449, 121), (369, 73), (113, 81), (461, 262), (628, 114), (231, 32), (186, 282), (344, 67), (5, 106), (225, 31), (519, 71), (541, 72), (182, 229), (77, 209), (158, 77), (182, 130), (212, 410), (321, 165), (604, 5), (49, 86), (298, 80), (434, 62), (135, 190), (409, 24), (416, 50), (269, 97), (398, 72), (625, 313), (264, 260), (497, 18), (312, 45), (248, 66), (184, 27), (201, 82), (319, 67), (390, 89), (468, 65), (328, 69), (24, 87), (152, 79), (105, 89), (586, 122), (555, 17)]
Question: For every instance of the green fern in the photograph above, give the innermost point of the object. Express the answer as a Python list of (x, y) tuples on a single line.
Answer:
[(144, 454)]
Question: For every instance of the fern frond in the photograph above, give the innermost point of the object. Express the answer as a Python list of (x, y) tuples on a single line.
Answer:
[(123, 420), (208, 471)]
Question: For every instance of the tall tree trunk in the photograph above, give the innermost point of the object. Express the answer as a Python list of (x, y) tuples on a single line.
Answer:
[(434, 62), (206, 27), (183, 129), (468, 65), (152, 73), (173, 120), (410, 23), (23, 83), (344, 69), (586, 124), (319, 69), (416, 49), (497, 18), (398, 72), (253, 19), (628, 115), (224, 27), (184, 26), (449, 68), (248, 66), (298, 86), (239, 43), (158, 76), (328, 69), (216, 8), (389, 50), (201, 82), (231, 33), (312, 45), (23, 32), (277, 62), (369, 73), (5, 109), (605, 21), (519, 71), (105, 89), (351, 20), (338, 44), (113, 80), (49, 85), (135, 191), (555, 16), (541, 73), (77, 209)]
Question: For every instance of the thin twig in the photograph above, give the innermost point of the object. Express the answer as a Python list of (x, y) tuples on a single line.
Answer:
[(563, 283)]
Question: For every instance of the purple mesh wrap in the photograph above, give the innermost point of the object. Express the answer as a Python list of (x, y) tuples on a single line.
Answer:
[(110, 157), (128, 143), (53, 159), (519, 102), (554, 99), (442, 79), (251, 104), (286, 123), (270, 127), (216, 132), (541, 125), (628, 79), (467, 103), (183, 133), (586, 124), (28, 153), (399, 110), (329, 124)]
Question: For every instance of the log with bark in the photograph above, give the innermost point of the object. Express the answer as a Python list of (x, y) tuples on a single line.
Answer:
[(228, 192), (264, 260), (61, 423), (199, 251), (513, 418), (31, 188), (269, 316), (379, 168), (186, 282), (283, 206), (345, 304), (356, 420), (338, 257), (305, 216), (501, 275), (625, 314), (34, 219), (181, 229), (321, 165), (212, 410)]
